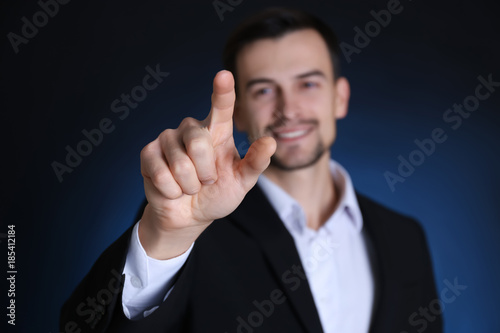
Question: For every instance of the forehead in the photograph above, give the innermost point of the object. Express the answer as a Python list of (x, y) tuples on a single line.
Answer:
[(284, 57)]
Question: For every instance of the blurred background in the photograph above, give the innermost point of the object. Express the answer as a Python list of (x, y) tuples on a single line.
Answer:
[(62, 75)]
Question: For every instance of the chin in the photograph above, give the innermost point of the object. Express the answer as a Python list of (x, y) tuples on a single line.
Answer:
[(291, 164)]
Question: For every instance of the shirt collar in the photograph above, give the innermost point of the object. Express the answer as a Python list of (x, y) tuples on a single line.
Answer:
[(285, 205), (348, 201)]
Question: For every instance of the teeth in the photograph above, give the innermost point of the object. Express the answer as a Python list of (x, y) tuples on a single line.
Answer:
[(290, 135)]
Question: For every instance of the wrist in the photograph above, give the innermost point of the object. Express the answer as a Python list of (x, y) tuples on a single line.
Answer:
[(163, 243)]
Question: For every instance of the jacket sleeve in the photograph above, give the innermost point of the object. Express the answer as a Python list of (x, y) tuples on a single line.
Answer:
[(433, 322), (91, 306), (96, 303)]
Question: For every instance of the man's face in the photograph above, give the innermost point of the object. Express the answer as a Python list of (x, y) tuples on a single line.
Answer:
[(286, 90)]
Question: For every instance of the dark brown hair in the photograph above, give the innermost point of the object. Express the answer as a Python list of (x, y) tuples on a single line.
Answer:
[(275, 23)]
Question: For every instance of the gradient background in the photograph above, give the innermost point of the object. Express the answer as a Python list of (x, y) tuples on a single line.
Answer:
[(65, 78)]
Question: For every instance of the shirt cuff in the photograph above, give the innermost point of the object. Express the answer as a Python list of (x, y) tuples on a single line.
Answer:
[(148, 281)]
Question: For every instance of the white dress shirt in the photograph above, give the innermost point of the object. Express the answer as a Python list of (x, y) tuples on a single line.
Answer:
[(334, 257)]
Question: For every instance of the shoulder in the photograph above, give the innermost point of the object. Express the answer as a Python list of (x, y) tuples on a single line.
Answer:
[(400, 236), (385, 217)]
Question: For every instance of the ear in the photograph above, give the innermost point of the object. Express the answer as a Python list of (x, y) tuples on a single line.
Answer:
[(342, 95), (238, 118)]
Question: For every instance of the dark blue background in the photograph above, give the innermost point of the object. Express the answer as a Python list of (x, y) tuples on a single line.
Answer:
[(65, 78)]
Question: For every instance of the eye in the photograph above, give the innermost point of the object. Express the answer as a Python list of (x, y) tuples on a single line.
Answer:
[(309, 84), (264, 91)]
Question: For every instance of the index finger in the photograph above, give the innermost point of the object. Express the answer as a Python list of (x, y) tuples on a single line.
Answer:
[(223, 97)]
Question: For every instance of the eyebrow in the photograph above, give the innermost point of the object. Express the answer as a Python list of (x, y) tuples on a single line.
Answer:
[(257, 81), (311, 73), (300, 76)]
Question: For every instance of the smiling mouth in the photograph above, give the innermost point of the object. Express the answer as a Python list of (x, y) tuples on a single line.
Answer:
[(291, 134)]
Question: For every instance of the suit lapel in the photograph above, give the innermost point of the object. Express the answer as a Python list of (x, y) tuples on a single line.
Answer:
[(257, 217), (380, 251)]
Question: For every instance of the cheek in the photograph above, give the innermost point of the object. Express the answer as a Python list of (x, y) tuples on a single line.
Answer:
[(255, 123), (321, 104), (328, 129), (328, 121), (260, 117)]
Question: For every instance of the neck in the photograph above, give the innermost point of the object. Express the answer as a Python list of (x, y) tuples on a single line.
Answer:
[(312, 187)]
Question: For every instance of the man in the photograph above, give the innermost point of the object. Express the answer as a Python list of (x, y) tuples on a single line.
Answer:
[(300, 252)]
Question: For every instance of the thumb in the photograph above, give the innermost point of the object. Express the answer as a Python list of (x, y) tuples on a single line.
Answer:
[(256, 160)]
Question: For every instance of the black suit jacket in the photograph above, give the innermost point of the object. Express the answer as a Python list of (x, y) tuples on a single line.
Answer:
[(244, 275)]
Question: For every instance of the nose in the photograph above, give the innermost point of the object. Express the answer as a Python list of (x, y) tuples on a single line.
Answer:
[(286, 106)]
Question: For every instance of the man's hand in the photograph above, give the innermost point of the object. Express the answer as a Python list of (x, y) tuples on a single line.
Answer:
[(193, 175)]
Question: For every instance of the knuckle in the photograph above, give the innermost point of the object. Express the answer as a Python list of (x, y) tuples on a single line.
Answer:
[(160, 178), (197, 146), (181, 167), (189, 122), (167, 134), (173, 192), (147, 150)]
